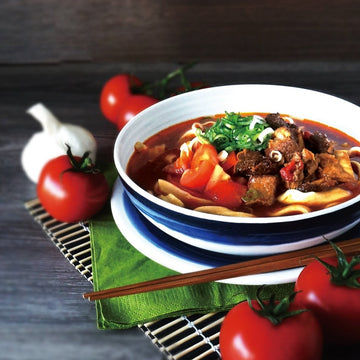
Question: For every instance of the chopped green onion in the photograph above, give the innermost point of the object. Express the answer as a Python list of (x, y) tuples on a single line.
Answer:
[(234, 132)]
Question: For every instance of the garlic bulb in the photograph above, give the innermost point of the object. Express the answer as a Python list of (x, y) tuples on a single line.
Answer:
[(50, 142)]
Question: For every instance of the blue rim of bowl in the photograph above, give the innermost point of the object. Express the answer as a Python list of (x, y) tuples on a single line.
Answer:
[(267, 234)]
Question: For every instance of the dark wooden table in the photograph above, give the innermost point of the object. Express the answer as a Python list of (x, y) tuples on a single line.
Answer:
[(42, 313)]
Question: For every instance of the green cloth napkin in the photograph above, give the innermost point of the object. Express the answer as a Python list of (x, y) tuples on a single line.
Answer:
[(115, 263)]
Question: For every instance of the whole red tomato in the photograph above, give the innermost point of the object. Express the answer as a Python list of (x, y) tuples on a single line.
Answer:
[(132, 106), (336, 306), (245, 335), (71, 194), (114, 94)]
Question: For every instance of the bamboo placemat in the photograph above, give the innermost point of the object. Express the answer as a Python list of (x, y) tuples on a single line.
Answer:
[(193, 337)]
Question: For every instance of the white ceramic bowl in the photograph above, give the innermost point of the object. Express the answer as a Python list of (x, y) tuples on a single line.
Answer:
[(234, 235)]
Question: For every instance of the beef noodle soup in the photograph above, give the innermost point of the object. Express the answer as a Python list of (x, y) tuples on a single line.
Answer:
[(248, 165)]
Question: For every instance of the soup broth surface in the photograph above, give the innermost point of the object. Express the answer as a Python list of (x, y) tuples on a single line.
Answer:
[(147, 166)]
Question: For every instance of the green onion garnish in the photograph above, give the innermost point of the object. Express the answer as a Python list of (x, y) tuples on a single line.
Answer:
[(236, 132)]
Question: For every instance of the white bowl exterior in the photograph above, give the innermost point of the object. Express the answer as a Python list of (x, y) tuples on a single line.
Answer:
[(237, 235), (296, 102)]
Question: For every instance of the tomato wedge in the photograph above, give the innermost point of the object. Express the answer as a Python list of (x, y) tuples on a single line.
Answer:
[(183, 162), (223, 190), (197, 178), (203, 163), (227, 193), (230, 161), (205, 152)]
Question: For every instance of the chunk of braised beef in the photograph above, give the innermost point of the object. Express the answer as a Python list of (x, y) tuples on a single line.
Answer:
[(329, 173), (266, 167), (275, 120), (284, 142), (330, 169), (254, 163), (247, 160), (311, 164), (262, 190), (318, 143), (317, 185)]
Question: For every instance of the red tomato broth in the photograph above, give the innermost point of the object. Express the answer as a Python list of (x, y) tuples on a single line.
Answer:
[(146, 173)]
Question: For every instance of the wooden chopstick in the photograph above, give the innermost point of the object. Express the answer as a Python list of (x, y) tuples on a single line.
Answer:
[(289, 260)]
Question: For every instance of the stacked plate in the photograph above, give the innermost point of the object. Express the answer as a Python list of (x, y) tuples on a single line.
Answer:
[(176, 254)]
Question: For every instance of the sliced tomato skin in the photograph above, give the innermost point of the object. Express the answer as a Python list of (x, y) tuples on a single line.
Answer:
[(202, 165), (205, 152), (206, 175), (197, 178), (229, 163), (223, 190), (227, 193), (183, 162)]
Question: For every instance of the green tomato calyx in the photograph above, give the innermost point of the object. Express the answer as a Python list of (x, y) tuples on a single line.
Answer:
[(83, 165), (275, 311), (344, 273)]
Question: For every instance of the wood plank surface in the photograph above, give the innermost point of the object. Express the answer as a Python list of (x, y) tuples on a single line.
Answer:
[(42, 312), (50, 31)]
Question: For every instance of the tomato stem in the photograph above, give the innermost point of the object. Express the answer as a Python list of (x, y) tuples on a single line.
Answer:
[(162, 84), (344, 273), (274, 311), (83, 165)]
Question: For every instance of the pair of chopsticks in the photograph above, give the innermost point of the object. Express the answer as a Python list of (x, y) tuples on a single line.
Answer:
[(289, 260)]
